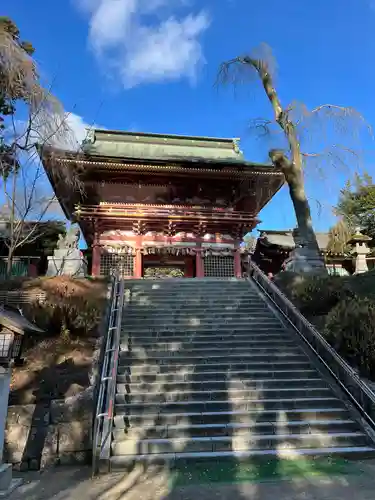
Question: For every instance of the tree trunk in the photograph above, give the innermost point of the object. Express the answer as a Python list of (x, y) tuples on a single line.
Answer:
[(294, 178), (9, 263), (292, 169)]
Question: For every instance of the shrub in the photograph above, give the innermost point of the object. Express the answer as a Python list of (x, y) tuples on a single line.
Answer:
[(350, 329), (64, 313), (314, 295)]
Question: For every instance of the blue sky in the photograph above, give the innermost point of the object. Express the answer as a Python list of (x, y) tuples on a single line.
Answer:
[(150, 65)]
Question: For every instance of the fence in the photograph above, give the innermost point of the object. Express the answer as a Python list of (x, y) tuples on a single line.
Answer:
[(22, 267)]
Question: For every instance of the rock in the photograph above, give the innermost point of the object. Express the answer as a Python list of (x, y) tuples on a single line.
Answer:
[(21, 414), (78, 458), (76, 408), (24, 466), (74, 437), (34, 464)]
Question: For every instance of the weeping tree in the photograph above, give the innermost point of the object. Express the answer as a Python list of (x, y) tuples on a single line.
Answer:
[(292, 121), (30, 117), (338, 237)]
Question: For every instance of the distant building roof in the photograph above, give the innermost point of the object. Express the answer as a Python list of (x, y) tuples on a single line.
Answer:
[(285, 239)]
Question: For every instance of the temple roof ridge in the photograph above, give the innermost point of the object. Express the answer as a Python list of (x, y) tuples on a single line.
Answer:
[(143, 145), (160, 135)]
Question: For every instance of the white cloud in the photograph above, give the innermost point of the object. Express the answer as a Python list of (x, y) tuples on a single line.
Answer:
[(142, 41), (78, 126), (65, 131)]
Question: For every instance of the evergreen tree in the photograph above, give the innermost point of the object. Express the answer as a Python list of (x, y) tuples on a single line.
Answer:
[(357, 204)]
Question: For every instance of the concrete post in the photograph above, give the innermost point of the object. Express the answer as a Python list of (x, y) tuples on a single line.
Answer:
[(7, 483)]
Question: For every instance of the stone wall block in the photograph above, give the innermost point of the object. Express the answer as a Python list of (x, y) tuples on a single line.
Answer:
[(21, 414), (74, 437), (72, 409)]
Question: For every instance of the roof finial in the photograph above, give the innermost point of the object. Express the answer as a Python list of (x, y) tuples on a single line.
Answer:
[(236, 146), (90, 137)]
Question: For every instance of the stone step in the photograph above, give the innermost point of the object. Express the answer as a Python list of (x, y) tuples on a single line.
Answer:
[(230, 416), (132, 360), (200, 304), (138, 352), (239, 443), (212, 369), (189, 287), (206, 377), (212, 307), (202, 297), (213, 385), (169, 287), (211, 341), (228, 329), (187, 282), (200, 347), (275, 404), (182, 315), (234, 429), (214, 338), (119, 462), (198, 324), (230, 395)]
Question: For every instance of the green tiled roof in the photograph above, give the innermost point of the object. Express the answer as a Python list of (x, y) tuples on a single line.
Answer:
[(162, 147)]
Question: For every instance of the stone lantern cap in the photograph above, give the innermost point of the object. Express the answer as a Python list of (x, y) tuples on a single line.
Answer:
[(358, 237)]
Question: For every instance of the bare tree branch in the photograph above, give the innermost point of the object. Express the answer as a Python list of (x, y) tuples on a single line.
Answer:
[(298, 125)]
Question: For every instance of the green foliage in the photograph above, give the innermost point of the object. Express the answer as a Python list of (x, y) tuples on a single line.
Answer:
[(350, 329), (12, 86), (357, 204), (315, 295), (339, 235)]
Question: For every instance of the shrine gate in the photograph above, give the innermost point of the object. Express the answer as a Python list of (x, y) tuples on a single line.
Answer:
[(155, 205)]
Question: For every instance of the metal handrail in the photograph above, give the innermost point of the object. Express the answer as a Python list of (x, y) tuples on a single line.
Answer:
[(354, 387), (104, 403), (111, 378)]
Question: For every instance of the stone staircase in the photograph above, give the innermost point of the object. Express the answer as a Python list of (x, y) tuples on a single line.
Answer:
[(207, 370)]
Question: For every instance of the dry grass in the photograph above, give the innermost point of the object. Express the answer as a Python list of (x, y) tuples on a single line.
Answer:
[(58, 364)]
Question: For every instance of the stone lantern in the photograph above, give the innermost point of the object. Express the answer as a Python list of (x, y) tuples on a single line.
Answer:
[(360, 251), (13, 329)]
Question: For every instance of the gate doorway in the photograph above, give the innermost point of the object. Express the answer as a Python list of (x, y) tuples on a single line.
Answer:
[(167, 266), (163, 272)]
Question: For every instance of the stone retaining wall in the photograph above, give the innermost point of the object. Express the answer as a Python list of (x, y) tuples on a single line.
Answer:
[(58, 432)]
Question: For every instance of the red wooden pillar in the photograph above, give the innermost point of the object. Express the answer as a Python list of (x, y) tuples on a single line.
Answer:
[(138, 260), (199, 265), (138, 267), (95, 264), (237, 263)]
